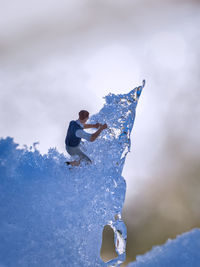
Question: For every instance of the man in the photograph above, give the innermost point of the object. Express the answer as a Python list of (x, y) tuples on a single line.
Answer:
[(74, 134)]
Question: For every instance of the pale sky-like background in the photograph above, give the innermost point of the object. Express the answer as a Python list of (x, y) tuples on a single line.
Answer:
[(57, 57)]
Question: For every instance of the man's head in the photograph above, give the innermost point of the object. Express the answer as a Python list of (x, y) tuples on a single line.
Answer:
[(83, 116)]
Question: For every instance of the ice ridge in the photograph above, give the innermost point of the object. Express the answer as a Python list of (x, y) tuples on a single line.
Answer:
[(180, 252)]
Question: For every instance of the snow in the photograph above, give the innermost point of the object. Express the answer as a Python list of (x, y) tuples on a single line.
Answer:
[(184, 251), (51, 215)]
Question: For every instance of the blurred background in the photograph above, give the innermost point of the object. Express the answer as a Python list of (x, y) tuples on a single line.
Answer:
[(57, 57)]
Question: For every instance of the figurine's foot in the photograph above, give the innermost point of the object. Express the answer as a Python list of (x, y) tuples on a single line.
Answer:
[(73, 163)]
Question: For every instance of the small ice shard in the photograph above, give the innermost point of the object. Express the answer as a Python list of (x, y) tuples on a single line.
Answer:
[(120, 236)]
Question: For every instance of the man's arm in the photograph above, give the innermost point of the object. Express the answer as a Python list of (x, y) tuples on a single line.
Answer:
[(97, 133), (96, 125), (82, 134)]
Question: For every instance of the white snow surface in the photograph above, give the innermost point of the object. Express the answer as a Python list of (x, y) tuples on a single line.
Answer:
[(184, 251), (54, 216)]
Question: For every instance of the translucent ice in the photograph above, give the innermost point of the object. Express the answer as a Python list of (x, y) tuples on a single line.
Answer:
[(53, 216)]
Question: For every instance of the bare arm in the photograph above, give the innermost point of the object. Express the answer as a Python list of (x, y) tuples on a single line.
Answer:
[(97, 125), (97, 133)]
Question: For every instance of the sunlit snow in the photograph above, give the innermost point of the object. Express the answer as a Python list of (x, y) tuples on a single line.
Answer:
[(180, 252)]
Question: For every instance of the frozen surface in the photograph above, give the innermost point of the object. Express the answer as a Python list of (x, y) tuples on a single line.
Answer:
[(184, 251), (53, 216)]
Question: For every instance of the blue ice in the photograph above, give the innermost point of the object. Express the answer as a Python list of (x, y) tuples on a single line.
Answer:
[(53, 216)]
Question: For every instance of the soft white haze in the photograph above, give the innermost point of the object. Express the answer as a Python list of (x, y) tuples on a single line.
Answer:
[(57, 57)]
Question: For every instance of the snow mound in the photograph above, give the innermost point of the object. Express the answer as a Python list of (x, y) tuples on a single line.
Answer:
[(53, 216), (184, 251)]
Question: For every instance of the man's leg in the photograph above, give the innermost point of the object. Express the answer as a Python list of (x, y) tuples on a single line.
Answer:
[(77, 151), (72, 152), (83, 156)]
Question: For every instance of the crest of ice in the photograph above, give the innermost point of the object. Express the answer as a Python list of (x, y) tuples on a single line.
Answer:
[(53, 216), (180, 252)]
